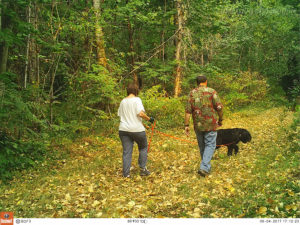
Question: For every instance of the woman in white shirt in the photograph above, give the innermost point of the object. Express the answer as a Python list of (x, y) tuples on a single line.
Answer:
[(131, 129)]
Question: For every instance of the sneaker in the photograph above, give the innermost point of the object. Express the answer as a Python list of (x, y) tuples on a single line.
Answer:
[(144, 172), (203, 173), (128, 176)]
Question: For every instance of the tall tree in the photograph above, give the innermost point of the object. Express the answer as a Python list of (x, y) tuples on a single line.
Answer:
[(3, 45), (101, 56), (26, 74), (131, 49), (178, 68)]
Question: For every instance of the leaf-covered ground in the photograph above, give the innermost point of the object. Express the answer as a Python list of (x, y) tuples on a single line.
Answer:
[(261, 181)]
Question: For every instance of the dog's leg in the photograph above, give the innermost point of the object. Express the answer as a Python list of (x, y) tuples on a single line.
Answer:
[(230, 148), (236, 149)]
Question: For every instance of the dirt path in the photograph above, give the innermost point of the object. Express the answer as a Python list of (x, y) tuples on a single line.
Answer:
[(89, 183)]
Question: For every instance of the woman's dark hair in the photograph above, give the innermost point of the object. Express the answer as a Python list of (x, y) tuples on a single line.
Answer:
[(132, 89), (201, 79)]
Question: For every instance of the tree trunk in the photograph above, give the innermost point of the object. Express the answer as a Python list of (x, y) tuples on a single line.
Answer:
[(101, 57), (27, 70), (202, 58), (32, 62), (35, 48), (178, 69), (163, 34), (4, 56), (51, 92), (3, 44), (163, 46), (131, 50)]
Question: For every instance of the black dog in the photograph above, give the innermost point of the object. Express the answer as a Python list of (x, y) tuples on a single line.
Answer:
[(231, 137)]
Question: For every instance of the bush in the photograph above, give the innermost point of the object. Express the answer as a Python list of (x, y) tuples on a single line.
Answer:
[(18, 155), (15, 115), (17, 120), (237, 90), (167, 111), (295, 131)]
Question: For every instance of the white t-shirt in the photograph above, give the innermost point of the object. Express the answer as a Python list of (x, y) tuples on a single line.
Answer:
[(128, 113)]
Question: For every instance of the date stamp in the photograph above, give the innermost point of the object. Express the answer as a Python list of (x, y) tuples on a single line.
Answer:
[(280, 221)]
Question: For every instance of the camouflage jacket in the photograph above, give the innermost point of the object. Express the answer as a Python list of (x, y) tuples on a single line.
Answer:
[(203, 103)]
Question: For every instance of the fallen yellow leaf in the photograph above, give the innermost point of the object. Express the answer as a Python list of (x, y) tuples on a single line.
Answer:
[(196, 210), (68, 197), (84, 215), (21, 202), (262, 210), (95, 203), (278, 157), (99, 214), (80, 210), (91, 189), (131, 203), (288, 207)]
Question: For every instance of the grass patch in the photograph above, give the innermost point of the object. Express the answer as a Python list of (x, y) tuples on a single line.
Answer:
[(86, 180)]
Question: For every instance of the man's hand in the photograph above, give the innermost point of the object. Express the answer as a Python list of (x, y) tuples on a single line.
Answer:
[(186, 123), (220, 123), (187, 131)]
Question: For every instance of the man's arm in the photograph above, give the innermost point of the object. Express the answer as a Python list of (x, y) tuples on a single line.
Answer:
[(220, 114), (218, 107), (187, 123)]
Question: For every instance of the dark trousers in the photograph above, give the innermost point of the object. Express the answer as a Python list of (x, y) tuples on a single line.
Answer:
[(128, 139)]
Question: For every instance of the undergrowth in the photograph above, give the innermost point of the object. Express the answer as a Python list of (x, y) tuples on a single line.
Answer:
[(261, 181)]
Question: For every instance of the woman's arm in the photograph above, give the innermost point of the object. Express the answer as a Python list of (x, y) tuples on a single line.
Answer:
[(143, 115)]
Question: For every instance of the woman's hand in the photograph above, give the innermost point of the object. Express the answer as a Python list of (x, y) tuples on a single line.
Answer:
[(143, 115)]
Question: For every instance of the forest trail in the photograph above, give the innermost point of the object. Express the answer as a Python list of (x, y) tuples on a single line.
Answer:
[(89, 183)]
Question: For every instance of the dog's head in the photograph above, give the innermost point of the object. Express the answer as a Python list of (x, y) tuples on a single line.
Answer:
[(245, 136)]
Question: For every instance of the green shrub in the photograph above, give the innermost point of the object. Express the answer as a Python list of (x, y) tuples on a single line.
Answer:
[(15, 114), (17, 121), (241, 89), (294, 132), (168, 111), (236, 89), (18, 155)]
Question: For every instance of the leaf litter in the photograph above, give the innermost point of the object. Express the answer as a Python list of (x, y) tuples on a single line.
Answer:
[(90, 184)]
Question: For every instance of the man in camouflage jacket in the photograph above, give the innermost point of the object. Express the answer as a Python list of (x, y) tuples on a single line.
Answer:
[(207, 111)]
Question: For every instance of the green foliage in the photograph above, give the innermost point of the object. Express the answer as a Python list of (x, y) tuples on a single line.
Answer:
[(101, 86), (294, 93), (240, 89), (260, 181), (158, 73), (167, 111), (240, 45), (18, 155), (236, 89), (17, 120), (294, 132), (90, 100), (15, 114), (245, 37)]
